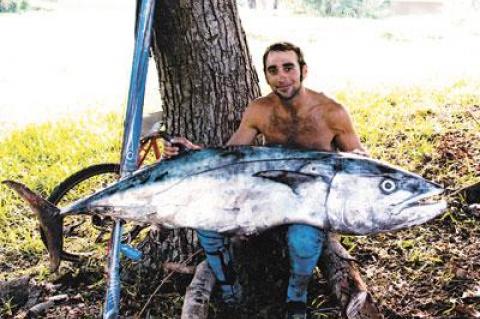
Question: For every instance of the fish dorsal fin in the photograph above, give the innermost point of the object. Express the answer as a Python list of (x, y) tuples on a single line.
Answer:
[(289, 178)]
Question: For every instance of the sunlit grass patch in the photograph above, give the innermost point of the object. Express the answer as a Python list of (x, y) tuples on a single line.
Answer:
[(404, 125), (41, 156)]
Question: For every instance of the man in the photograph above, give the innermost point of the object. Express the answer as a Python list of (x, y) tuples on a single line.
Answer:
[(294, 116)]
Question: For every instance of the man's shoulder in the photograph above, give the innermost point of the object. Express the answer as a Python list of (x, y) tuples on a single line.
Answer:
[(325, 103), (263, 101), (261, 104)]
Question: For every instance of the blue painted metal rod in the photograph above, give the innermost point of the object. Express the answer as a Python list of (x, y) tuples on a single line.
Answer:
[(131, 141), (133, 119), (112, 303)]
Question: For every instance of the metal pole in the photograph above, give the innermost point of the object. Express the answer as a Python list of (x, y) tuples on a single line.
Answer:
[(131, 141), (133, 119)]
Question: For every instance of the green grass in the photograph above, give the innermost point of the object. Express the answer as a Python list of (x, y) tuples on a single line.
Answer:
[(41, 156), (404, 126)]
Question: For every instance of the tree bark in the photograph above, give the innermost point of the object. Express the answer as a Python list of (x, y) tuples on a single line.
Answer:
[(275, 4), (205, 70), (345, 281)]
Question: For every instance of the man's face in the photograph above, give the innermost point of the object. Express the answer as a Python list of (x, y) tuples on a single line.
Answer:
[(283, 73)]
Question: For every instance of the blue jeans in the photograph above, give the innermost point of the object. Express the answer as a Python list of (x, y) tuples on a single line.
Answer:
[(304, 245), (219, 257)]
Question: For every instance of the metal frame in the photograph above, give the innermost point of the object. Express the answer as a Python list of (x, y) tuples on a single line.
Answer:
[(131, 141)]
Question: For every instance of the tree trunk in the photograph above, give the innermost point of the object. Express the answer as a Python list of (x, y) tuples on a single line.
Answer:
[(205, 70), (206, 80), (275, 4)]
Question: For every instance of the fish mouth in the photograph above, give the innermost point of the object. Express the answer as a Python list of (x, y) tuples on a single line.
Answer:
[(425, 200), (419, 209)]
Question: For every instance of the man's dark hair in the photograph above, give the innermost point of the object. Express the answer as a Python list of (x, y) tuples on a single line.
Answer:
[(282, 47)]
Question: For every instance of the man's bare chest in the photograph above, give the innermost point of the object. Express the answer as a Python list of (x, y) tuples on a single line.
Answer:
[(297, 130)]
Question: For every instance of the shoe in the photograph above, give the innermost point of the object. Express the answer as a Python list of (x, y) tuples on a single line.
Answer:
[(231, 294), (296, 310)]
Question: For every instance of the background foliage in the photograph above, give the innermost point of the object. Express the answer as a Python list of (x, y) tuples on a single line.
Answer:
[(348, 8), (13, 5)]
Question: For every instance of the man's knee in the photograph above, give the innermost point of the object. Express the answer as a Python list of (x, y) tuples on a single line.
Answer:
[(210, 241), (305, 241), (218, 255)]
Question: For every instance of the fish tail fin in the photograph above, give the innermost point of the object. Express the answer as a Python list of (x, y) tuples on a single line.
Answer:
[(50, 221)]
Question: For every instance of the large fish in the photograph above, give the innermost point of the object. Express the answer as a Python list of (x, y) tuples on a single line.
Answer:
[(244, 190)]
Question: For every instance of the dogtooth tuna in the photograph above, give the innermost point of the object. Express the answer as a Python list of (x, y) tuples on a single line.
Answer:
[(243, 190)]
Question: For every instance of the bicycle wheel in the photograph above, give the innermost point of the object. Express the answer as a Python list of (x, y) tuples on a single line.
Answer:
[(94, 177), (79, 185)]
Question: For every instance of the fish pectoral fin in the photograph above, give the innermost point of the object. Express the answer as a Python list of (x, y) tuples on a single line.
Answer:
[(289, 178)]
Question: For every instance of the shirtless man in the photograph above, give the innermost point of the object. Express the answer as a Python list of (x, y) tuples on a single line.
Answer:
[(294, 116)]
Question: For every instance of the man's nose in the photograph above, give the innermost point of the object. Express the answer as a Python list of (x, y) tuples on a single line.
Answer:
[(282, 75)]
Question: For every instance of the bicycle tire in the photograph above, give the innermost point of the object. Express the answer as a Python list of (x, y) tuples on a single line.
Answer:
[(80, 184), (82, 175)]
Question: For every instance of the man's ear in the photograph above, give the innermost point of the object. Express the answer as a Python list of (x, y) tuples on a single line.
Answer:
[(304, 72)]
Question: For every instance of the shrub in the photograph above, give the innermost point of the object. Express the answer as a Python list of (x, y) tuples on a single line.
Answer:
[(13, 5), (348, 8)]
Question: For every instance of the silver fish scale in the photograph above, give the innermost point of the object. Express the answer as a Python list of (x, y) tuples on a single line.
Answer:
[(244, 190), (194, 162)]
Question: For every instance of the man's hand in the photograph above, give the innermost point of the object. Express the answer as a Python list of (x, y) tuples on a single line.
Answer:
[(169, 150)]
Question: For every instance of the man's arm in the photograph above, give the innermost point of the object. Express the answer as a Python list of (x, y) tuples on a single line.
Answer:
[(346, 139), (244, 135), (247, 131)]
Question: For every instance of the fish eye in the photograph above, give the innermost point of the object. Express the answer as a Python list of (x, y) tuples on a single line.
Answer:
[(388, 186)]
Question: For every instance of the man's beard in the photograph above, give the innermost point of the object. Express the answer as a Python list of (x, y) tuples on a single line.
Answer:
[(288, 98), (295, 93)]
